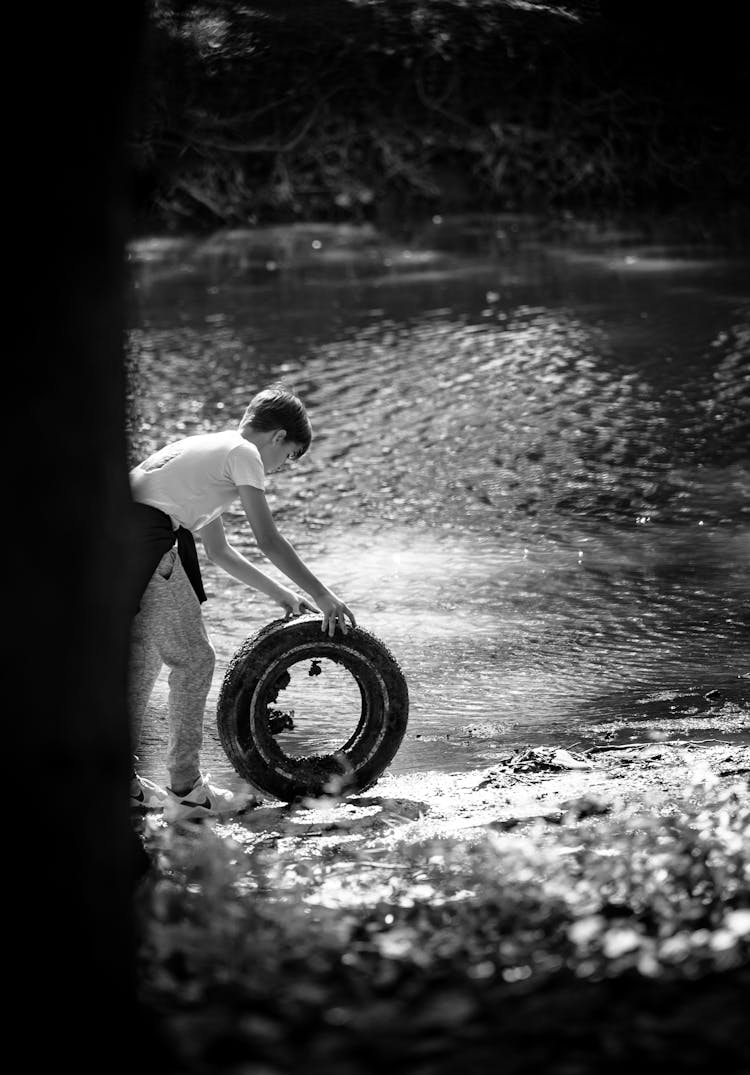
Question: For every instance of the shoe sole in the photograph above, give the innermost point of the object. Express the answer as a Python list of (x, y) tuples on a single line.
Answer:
[(198, 813)]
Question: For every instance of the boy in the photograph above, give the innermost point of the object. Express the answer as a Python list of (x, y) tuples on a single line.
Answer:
[(179, 491)]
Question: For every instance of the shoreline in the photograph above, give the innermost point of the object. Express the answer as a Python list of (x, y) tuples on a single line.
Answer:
[(539, 793)]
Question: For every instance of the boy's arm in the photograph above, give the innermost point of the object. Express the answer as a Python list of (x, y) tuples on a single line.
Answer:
[(221, 553), (282, 555)]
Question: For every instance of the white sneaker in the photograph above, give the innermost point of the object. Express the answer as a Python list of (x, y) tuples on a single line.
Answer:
[(146, 795), (206, 800)]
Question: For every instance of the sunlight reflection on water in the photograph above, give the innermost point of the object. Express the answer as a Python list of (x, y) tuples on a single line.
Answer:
[(505, 647)]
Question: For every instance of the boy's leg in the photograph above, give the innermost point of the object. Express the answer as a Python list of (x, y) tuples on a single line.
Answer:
[(184, 646), (144, 665)]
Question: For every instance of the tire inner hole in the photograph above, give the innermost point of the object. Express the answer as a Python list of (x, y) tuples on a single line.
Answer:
[(317, 707)]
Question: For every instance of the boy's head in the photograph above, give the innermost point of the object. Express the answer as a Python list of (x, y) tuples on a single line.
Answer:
[(278, 408)]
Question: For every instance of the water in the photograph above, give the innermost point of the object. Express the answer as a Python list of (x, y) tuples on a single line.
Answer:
[(530, 474)]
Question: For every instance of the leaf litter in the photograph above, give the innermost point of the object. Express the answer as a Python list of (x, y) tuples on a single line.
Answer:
[(399, 924)]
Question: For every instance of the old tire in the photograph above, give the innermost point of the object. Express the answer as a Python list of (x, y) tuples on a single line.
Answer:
[(251, 684)]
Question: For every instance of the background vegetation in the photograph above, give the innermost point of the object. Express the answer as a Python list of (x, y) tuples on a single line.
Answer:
[(382, 109)]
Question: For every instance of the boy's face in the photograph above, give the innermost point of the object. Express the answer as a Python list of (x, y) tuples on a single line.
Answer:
[(278, 452)]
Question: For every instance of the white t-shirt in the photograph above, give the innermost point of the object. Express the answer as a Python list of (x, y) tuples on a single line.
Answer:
[(195, 479)]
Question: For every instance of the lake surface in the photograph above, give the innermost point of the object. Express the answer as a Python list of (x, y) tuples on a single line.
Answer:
[(530, 475)]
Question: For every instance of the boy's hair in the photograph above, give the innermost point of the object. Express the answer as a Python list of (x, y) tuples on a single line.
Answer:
[(277, 407)]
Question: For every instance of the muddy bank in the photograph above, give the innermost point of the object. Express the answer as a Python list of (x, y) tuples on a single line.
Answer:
[(580, 918), (568, 912), (544, 793)]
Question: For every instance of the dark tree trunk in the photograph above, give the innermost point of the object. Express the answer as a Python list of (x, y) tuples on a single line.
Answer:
[(71, 876)]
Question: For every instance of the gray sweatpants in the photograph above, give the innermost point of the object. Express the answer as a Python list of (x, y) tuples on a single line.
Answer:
[(169, 630)]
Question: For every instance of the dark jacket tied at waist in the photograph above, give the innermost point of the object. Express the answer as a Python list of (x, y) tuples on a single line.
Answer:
[(151, 536)]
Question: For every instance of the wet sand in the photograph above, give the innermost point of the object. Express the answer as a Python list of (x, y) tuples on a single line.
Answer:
[(532, 796)]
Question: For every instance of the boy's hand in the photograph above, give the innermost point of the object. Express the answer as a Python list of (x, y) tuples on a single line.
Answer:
[(334, 612), (294, 605)]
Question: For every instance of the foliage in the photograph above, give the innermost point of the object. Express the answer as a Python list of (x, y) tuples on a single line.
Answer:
[(369, 109), (264, 954)]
